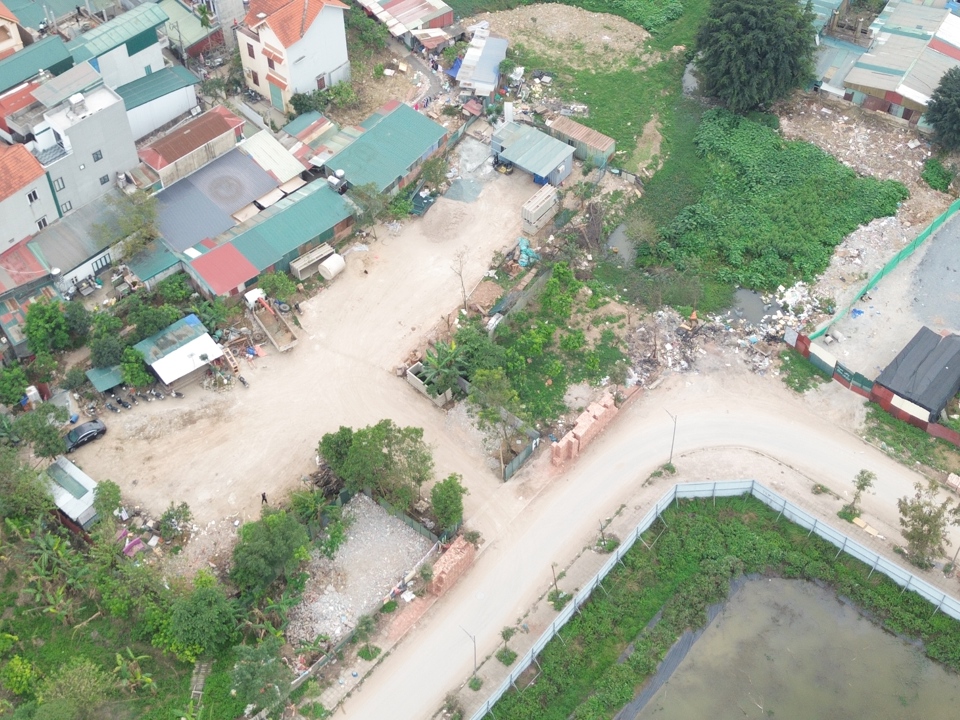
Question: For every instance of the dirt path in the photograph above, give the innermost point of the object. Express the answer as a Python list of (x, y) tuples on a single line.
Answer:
[(218, 452), (731, 424)]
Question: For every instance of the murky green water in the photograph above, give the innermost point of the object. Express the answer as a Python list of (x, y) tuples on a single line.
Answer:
[(787, 649)]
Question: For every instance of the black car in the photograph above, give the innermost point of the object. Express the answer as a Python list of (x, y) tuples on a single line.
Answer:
[(82, 434)]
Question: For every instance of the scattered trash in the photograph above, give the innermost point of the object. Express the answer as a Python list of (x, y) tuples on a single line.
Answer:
[(856, 313)]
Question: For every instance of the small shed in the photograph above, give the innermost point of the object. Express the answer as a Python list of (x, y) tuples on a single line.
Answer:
[(104, 379), (586, 142), (926, 372), (544, 157), (73, 492), (180, 351)]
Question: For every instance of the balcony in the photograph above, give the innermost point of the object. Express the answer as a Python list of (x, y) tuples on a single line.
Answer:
[(242, 30), (50, 155)]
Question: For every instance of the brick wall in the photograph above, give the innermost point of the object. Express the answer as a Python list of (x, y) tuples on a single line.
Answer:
[(590, 423), (451, 565)]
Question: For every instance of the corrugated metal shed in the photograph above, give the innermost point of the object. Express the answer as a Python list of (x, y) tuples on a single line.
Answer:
[(389, 150), (47, 54), (71, 241), (531, 150), (152, 262), (189, 137), (73, 492), (926, 371), (480, 69), (279, 232), (173, 336), (155, 85), (104, 38), (834, 59), (273, 157), (103, 379), (223, 269), (200, 205), (77, 79), (824, 11), (586, 141), (402, 16)]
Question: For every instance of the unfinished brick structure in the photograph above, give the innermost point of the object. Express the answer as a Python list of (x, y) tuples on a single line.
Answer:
[(590, 423), (451, 565)]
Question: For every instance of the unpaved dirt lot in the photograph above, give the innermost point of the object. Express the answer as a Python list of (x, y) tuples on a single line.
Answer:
[(572, 37), (219, 451)]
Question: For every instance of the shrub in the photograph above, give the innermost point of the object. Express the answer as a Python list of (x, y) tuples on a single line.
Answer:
[(506, 656), (936, 175), (75, 378), (389, 607), (368, 652), (475, 683), (18, 676)]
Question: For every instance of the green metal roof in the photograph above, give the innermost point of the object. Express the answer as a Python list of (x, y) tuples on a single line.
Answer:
[(156, 85), (123, 28), (183, 25), (301, 122), (299, 218), (103, 379), (151, 262), (388, 150), (174, 336), (47, 54)]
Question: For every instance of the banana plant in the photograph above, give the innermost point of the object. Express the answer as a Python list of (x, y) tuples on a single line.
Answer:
[(130, 673)]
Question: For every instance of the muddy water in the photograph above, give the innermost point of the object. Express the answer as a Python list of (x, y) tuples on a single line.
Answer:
[(788, 649)]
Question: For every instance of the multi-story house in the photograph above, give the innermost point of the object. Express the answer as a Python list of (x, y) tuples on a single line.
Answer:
[(11, 36), (293, 46), (26, 198)]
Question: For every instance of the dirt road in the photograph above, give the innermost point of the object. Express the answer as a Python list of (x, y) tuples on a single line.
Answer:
[(218, 452), (548, 516)]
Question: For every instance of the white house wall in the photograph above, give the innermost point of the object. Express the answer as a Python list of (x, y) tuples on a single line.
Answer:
[(321, 51), (117, 68), (157, 113), (90, 267), (20, 216)]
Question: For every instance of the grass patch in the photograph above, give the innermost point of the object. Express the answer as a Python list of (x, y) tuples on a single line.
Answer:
[(655, 287), (369, 652), (475, 683), (506, 656), (800, 374), (389, 607), (908, 444), (699, 547), (937, 175), (848, 513)]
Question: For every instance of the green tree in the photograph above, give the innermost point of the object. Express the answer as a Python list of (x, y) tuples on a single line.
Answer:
[(205, 621), (106, 351), (862, 482), (41, 429), (78, 320), (269, 550), (174, 289), (335, 447), (150, 319), (343, 95), (106, 498), (132, 221), (752, 53), (943, 110), (924, 520), (42, 368), (13, 384), (259, 676), (134, 369), (175, 521), (442, 367), (24, 494), (81, 683), (204, 13), (373, 207), (214, 87), (277, 285), (46, 327), (490, 394), (447, 500)]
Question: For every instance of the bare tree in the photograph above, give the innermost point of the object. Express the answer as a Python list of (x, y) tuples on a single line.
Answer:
[(459, 263)]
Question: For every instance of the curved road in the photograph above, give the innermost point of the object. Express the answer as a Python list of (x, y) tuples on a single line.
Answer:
[(527, 534)]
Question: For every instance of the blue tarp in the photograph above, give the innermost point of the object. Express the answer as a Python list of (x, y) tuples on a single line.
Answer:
[(452, 72)]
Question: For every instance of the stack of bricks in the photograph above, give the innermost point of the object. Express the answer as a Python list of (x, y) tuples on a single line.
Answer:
[(451, 565), (590, 423)]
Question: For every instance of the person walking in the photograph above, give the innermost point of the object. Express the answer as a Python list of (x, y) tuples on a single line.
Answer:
[(263, 498)]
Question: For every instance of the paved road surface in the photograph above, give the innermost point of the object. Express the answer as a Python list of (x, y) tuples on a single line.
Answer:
[(528, 532)]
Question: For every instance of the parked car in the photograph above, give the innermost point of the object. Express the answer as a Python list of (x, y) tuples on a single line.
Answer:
[(82, 434)]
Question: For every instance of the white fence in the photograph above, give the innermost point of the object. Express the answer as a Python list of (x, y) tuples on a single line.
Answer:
[(939, 599)]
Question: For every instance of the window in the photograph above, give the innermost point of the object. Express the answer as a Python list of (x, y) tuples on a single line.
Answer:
[(147, 70), (59, 184), (66, 207), (255, 78), (42, 223), (270, 63), (97, 156), (104, 180), (32, 196), (321, 82), (250, 51)]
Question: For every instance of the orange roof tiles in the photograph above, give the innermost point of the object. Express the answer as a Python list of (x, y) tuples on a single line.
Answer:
[(7, 14), (289, 19), (195, 134), (18, 168), (16, 99)]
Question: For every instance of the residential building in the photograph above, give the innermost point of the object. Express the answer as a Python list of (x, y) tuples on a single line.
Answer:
[(27, 204), (125, 48), (12, 35), (396, 142), (293, 46), (48, 55), (180, 352), (547, 159), (78, 130), (158, 99), (412, 19), (185, 32)]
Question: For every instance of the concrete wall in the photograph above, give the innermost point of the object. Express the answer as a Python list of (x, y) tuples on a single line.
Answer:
[(147, 118), (324, 52), (118, 68), (19, 216), (107, 131)]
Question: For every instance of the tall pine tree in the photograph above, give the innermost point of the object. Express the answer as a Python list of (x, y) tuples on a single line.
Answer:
[(943, 111)]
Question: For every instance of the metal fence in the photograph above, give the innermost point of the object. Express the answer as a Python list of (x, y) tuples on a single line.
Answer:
[(877, 563)]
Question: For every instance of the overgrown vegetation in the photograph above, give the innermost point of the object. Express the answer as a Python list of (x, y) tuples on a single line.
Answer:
[(936, 174), (909, 444), (696, 550), (800, 374)]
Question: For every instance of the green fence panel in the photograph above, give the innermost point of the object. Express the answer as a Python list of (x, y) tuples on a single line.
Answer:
[(862, 381), (844, 372), (827, 368)]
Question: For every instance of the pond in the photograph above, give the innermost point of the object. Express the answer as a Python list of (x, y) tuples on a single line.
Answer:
[(790, 649)]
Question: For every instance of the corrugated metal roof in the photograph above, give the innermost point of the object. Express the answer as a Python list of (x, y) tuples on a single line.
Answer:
[(581, 133), (103, 379), (292, 222), (273, 157), (25, 64), (529, 149), (173, 336), (184, 25), (155, 85), (926, 371), (302, 122), (223, 269), (71, 241), (77, 79), (73, 492), (186, 358), (104, 38), (480, 68), (152, 261), (834, 59), (824, 10), (387, 151), (188, 137)]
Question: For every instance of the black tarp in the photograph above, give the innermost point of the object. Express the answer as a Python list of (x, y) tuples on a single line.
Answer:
[(926, 372)]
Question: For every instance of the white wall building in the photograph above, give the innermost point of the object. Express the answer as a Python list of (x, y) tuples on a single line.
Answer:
[(26, 200)]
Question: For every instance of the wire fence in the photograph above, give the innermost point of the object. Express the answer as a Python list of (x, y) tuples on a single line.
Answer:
[(877, 563)]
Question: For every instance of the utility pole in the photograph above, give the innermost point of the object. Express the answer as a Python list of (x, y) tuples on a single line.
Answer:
[(474, 638), (673, 440)]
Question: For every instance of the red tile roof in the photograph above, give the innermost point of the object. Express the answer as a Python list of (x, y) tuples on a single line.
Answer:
[(7, 14), (195, 134), (19, 266), (18, 168), (14, 100), (224, 268), (289, 19)]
